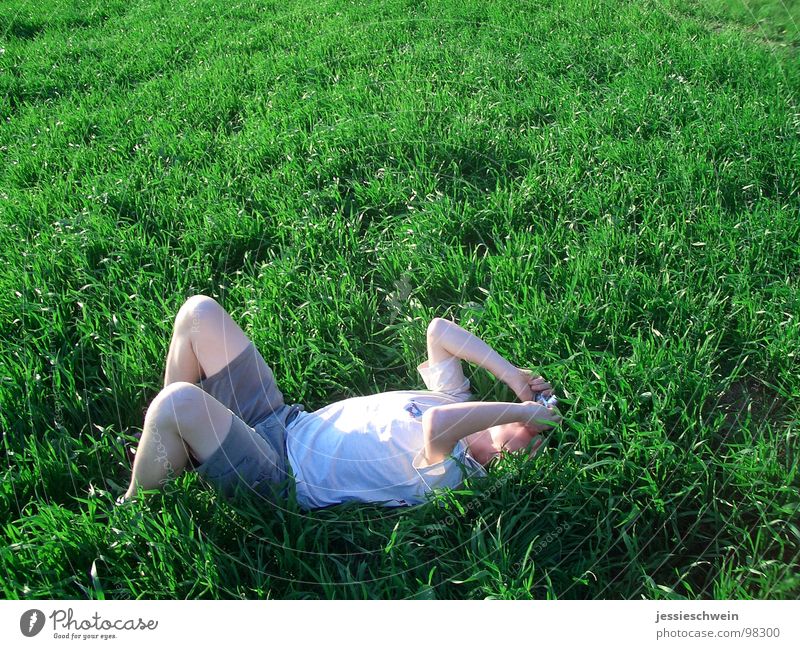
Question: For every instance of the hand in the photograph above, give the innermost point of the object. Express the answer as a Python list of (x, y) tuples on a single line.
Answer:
[(541, 418), (526, 385)]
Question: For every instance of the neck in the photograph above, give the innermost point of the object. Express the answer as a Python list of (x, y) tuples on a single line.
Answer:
[(481, 445)]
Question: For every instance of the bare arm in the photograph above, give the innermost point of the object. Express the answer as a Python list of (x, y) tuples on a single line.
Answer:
[(446, 339), (444, 425)]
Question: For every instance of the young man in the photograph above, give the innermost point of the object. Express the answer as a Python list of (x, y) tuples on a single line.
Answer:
[(221, 412)]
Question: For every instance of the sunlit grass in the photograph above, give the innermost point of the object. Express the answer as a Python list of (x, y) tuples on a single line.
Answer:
[(606, 192)]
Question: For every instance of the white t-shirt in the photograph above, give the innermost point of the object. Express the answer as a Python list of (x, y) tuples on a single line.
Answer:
[(368, 449)]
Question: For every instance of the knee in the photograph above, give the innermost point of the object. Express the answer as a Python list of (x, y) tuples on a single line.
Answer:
[(177, 401), (195, 311)]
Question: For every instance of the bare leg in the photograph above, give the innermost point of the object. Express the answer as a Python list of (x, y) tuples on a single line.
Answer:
[(180, 419), (183, 419), (204, 340)]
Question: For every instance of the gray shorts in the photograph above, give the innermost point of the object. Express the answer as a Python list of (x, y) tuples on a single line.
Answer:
[(252, 457)]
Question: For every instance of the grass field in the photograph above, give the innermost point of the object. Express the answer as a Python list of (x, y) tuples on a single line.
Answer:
[(606, 192)]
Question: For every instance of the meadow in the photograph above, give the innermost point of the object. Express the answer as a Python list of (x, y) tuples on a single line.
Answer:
[(605, 192)]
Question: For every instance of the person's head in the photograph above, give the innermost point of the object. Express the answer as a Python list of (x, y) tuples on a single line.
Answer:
[(505, 438)]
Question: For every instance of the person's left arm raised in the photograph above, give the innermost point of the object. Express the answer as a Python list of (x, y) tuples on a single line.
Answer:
[(444, 425), (446, 339)]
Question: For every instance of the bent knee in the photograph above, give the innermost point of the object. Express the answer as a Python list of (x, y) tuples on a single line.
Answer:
[(435, 327), (176, 400), (196, 310)]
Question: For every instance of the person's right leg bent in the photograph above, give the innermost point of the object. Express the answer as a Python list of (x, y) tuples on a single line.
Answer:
[(181, 419)]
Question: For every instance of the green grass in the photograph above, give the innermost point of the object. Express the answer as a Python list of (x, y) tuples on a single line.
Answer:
[(774, 22), (606, 192)]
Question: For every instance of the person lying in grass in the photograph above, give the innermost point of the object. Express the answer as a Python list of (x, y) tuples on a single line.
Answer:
[(221, 413)]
